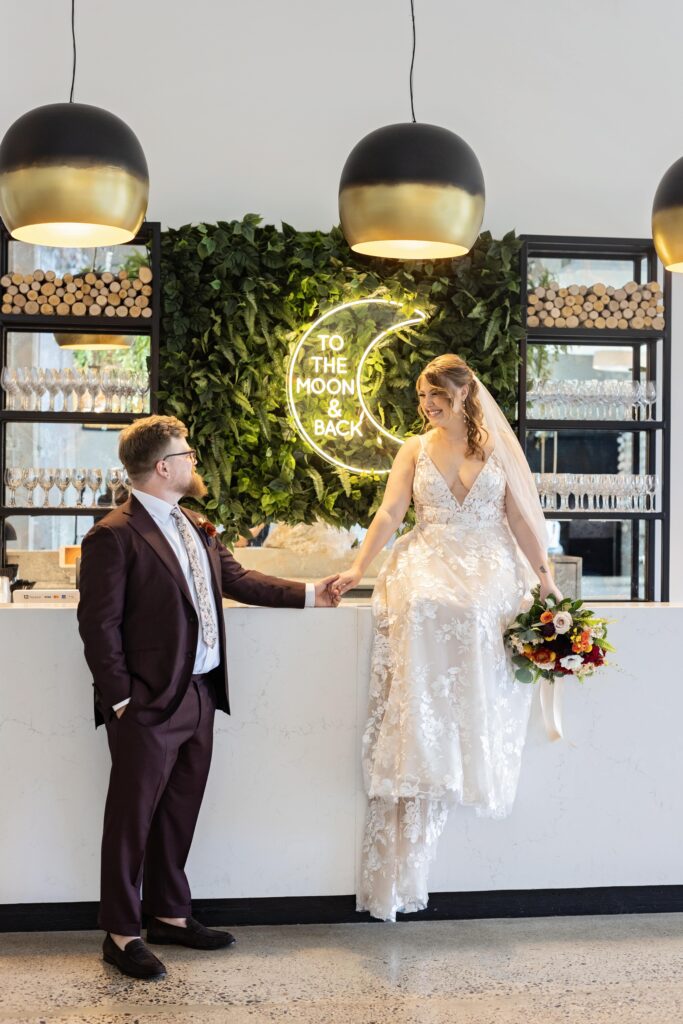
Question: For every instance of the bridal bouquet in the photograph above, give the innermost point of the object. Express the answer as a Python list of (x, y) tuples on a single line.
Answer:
[(555, 639)]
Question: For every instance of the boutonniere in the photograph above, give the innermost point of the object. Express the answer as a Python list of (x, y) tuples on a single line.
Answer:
[(207, 527)]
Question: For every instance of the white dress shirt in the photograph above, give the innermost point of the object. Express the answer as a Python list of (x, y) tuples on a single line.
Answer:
[(206, 658)]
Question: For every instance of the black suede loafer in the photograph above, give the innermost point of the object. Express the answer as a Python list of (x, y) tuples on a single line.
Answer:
[(135, 960), (194, 936)]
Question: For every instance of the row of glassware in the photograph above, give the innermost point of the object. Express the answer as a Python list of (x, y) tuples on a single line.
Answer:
[(88, 389), (592, 399), (30, 478), (593, 492)]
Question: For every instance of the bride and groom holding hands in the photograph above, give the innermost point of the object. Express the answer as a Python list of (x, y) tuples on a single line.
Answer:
[(150, 616)]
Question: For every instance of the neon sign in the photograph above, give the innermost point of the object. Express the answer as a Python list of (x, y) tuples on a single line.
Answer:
[(328, 371)]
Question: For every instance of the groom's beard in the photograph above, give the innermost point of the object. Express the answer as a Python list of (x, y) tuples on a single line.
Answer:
[(196, 487)]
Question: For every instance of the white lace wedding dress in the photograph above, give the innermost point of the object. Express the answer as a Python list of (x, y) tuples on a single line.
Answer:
[(447, 720)]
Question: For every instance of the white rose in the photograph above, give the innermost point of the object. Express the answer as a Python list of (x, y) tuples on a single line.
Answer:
[(562, 622)]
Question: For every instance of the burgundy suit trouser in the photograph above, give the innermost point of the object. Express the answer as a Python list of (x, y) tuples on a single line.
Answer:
[(157, 781)]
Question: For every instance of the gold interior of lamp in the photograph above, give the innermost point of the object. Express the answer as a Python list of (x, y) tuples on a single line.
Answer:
[(410, 220), (667, 234), (73, 206), (94, 342)]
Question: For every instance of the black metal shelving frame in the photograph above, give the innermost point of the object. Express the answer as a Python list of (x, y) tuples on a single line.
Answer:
[(655, 434), (148, 236)]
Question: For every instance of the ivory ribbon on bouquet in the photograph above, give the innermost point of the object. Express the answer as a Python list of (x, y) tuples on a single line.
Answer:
[(551, 706)]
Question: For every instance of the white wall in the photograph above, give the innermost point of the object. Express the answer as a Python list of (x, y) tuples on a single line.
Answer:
[(254, 106)]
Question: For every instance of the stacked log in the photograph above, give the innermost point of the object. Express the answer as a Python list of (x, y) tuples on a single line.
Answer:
[(635, 307), (44, 293)]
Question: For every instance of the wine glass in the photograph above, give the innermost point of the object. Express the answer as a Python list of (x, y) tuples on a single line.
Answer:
[(108, 386), (129, 390), (26, 387), (640, 488), (62, 482), (79, 387), (651, 488), (67, 379), (94, 481), (581, 492), (30, 481), (8, 382), (114, 481), (79, 479), (142, 387), (650, 396), (13, 479), (46, 479), (53, 385), (564, 488), (92, 377), (37, 377)]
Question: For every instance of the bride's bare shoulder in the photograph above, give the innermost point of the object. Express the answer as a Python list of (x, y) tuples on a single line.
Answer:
[(407, 454), (411, 446)]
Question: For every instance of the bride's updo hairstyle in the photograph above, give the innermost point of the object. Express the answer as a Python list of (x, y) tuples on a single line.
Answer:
[(450, 371)]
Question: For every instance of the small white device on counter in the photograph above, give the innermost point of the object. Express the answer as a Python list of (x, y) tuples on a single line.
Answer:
[(45, 597)]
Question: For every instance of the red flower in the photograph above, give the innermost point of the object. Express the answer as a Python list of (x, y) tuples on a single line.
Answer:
[(208, 528), (595, 656)]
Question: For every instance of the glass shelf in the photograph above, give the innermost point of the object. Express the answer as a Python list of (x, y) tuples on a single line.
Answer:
[(97, 418)]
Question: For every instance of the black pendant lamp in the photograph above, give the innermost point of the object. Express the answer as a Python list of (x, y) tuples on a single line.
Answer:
[(411, 191), (667, 218), (72, 174)]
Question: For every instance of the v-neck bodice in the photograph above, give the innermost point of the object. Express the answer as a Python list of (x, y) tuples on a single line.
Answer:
[(483, 505)]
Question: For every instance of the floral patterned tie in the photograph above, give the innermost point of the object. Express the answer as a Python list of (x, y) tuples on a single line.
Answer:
[(206, 610)]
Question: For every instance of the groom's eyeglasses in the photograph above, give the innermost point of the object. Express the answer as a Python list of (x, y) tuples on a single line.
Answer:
[(190, 451)]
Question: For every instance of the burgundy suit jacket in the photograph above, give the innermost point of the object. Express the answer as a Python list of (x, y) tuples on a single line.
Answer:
[(137, 618)]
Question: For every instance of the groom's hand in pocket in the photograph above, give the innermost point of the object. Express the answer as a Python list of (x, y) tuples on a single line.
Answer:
[(326, 592)]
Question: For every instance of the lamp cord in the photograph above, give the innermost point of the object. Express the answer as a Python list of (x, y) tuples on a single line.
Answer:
[(412, 60), (73, 39)]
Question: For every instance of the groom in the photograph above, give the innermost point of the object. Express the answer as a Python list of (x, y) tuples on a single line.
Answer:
[(150, 616)]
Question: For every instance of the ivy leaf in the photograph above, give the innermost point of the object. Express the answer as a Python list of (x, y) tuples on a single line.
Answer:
[(206, 247)]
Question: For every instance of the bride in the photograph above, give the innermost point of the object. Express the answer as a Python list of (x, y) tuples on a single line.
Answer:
[(447, 720)]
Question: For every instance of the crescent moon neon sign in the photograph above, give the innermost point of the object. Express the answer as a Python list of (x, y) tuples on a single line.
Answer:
[(325, 384)]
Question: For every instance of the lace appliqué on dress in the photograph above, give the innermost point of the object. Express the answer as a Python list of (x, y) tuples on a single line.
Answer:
[(447, 721)]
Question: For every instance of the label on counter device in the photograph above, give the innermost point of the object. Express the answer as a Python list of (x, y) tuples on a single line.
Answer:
[(45, 597)]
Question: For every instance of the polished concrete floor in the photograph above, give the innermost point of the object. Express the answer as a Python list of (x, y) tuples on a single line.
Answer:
[(535, 971)]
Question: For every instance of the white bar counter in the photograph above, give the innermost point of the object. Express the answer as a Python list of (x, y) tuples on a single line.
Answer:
[(283, 812)]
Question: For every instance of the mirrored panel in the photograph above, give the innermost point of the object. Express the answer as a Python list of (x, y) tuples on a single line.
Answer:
[(594, 382), (612, 555)]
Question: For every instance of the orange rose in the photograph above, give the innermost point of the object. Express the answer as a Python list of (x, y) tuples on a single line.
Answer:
[(547, 617), (543, 656)]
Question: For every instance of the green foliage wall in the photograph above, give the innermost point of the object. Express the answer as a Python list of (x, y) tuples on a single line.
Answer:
[(236, 297)]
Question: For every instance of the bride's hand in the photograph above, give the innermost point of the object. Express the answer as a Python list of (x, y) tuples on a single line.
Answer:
[(348, 580), (549, 586)]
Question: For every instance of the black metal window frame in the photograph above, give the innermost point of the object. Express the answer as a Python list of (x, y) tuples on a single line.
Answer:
[(653, 434), (149, 236)]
